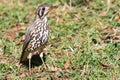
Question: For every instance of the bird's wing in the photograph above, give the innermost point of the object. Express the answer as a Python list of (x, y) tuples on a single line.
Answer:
[(26, 42)]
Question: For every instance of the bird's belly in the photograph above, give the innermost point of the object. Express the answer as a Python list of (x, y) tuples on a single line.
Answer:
[(38, 42)]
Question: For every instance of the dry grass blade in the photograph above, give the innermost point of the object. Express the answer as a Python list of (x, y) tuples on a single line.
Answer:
[(67, 65)]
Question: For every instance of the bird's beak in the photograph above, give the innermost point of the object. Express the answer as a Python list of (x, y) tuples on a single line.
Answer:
[(52, 7)]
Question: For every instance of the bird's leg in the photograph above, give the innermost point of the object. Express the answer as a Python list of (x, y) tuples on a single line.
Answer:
[(29, 57), (41, 56)]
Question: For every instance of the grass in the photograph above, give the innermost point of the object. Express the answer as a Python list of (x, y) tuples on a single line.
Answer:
[(77, 50)]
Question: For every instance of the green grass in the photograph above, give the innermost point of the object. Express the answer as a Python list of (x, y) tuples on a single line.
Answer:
[(75, 35)]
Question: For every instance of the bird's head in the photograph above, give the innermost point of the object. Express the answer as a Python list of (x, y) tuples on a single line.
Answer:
[(43, 10)]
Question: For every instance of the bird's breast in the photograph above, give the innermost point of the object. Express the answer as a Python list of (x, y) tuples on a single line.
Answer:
[(39, 37)]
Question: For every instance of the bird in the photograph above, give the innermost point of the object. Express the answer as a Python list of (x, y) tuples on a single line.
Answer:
[(37, 35)]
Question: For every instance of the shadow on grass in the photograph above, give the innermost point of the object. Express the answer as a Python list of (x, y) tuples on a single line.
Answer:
[(35, 61)]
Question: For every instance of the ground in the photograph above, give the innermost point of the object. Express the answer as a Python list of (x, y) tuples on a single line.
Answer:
[(84, 42)]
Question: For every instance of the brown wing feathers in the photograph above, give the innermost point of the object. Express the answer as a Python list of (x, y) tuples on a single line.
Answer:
[(25, 45)]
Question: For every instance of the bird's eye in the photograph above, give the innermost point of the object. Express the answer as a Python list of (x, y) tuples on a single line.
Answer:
[(43, 9)]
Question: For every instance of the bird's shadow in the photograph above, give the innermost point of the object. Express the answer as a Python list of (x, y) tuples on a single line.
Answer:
[(35, 60)]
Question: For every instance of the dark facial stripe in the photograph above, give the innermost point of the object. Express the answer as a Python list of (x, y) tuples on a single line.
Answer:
[(41, 12), (38, 12)]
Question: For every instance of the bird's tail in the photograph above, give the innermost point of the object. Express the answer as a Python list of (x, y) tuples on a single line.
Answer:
[(23, 57)]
